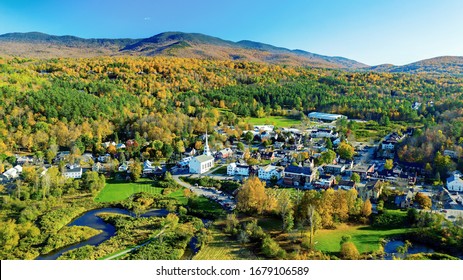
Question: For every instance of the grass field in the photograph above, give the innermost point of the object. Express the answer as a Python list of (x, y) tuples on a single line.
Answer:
[(220, 171), (115, 191), (223, 248), (278, 121), (365, 238)]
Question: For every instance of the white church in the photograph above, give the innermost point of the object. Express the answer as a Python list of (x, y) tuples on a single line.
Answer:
[(203, 163)]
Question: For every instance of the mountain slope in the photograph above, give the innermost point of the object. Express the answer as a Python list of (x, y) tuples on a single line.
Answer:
[(36, 44), (178, 44), (437, 65)]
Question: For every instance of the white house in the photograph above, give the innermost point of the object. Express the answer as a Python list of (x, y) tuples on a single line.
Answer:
[(455, 183), (73, 171), (237, 169), (266, 128), (201, 164), (13, 173), (123, 167), (270, 171), (185, 161), (322, 133), (388, 145)]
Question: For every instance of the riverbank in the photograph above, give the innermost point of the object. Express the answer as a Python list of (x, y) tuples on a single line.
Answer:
[(92, 219)]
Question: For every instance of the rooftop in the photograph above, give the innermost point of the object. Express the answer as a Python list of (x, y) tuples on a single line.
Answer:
[(298, 170), (203, 158)]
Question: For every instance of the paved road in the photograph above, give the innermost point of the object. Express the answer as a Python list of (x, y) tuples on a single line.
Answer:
[(223, 199)]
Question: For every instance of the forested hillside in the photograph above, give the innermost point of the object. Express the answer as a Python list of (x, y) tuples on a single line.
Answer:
[(84, 102)]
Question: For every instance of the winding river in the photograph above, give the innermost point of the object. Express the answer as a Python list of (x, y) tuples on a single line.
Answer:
[(91, 219)]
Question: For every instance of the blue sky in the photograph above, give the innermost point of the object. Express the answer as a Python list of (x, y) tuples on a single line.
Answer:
[(369, 31)]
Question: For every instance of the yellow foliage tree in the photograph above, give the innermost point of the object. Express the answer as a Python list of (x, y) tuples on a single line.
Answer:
[(252, 196)]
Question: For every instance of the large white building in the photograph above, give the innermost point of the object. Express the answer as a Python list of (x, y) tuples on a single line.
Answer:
[(203, 163), (325, 116), (73, 171), (455, 183), (237, 169), (270, 171), (13, 173)]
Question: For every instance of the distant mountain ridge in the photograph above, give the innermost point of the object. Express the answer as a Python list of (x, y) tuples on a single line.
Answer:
[(178, 44), (436, 65), (196, 45)]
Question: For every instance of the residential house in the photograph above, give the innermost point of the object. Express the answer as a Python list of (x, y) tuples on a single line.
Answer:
[(224, 153), (107, 144), (364, 170), (189, 152), (63, 155), (267, 155), (73, 171), (334, 169), (416, 105), (324, 133), (21, 160), (325, 182), (455, 183), (123, 167), (241, 169), (184, 162), (97, 167), (346, 185), (13, 173), (372, 190), (270, 171), (388, 144), (297, 175), (201, 164), (87, 157), (405, 200), (149, 169), (105, 158), (264, 128), (121, 146)]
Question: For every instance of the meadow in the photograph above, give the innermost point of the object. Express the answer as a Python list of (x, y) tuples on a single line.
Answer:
[(367, 239), (117, 191)]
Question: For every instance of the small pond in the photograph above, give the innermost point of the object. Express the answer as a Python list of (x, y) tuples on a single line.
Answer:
[(391, 249)]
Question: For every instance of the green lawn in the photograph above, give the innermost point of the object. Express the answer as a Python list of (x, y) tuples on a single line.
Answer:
[(115, 191), (365, 238), (220, 171), (278, 121)]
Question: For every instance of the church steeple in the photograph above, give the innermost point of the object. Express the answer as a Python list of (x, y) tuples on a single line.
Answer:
[(207, 151)]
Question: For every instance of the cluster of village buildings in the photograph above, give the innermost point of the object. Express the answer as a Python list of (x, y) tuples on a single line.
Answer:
[(282, 166)]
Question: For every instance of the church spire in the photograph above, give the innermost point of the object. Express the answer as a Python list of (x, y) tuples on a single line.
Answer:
[(207, 151)]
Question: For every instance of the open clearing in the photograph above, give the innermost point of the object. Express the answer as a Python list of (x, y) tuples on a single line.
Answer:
[(278, 121), (365, 238), (115, 191)]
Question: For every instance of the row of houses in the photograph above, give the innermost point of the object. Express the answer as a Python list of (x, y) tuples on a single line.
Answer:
[(267, 172)]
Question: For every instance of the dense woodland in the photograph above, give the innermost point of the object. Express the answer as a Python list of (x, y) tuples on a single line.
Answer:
[(83, 102)]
